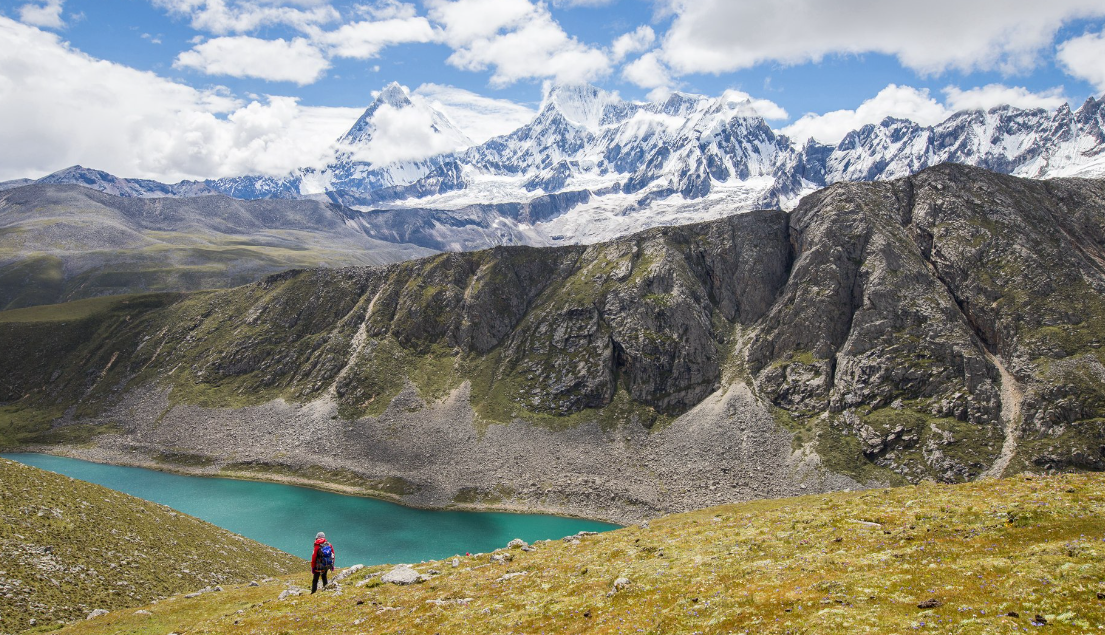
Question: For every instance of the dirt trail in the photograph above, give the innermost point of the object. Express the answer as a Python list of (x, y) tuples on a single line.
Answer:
[(1011, 398)]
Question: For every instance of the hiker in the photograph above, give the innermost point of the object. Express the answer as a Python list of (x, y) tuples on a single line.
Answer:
[(322, 560)]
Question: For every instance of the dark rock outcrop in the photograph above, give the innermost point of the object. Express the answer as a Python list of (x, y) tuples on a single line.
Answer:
[(946, 325)]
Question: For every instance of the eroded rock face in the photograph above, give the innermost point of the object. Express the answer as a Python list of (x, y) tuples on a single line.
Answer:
[(931, 327)]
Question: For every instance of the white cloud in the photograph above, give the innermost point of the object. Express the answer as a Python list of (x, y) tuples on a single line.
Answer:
[(59, 107), (902, 102), (477, 116), (716, 36), (765, 108), (243, 56), (647, 71), (364, 40), (516, 39), (387, 10), (986, 97), (467, 21), (45, 14), (1082, 57), (633, 42), (222, 17), (568, 4), (402, 134)]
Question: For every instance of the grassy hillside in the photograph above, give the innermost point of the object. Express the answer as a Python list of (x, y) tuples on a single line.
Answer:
[(68, 548), (65, 242), (988, 557)]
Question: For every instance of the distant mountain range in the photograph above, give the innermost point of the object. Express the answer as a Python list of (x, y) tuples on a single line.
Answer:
[(599, 166)]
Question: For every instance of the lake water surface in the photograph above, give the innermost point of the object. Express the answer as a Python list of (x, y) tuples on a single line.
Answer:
[(362, 530)]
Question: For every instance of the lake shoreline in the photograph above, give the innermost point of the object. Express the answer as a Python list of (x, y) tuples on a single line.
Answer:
[(105, 456)]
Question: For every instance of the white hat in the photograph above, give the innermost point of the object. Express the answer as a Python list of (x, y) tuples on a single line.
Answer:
[(320, 535)]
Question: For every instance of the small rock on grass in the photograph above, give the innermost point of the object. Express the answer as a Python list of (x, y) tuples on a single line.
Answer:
[(345, 573), (402, 574), (930, 603), (619, 584), (508, 576), (286, 593), (96, 613), (517, 542)]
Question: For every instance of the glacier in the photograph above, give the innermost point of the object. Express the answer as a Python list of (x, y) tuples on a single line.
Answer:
[(591, 166)]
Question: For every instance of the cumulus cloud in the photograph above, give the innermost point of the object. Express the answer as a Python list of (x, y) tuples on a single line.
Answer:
[(986, 97), (365, 40), (633, 42), (647, 71), (467, 21), (516, 40), (402, 134), (1082, 57), (568, 4), (59, 107), (903, 102), (45, 14), (387, 10), (243, 56), (737, 99), (223, 17), (477, 116), (716, 36), (906, 102)]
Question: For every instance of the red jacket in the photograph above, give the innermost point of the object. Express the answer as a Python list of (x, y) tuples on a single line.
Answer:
[(314, 555)]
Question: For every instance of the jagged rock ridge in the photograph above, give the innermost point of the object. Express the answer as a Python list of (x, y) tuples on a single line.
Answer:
[(940, 326)]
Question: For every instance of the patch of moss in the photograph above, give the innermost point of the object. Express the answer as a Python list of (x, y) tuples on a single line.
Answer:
[(20, 425), (842, 452), (174, 457), (391, 486), (76, 433), (483, 496)]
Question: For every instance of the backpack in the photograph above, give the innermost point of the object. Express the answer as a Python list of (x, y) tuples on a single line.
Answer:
[(325, 559)]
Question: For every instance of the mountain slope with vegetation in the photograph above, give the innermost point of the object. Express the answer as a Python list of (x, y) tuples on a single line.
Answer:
[(944, 326), (68, 548), (996, 556), (65, 242)]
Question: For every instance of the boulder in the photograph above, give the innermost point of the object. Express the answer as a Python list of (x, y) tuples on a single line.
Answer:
[(402, 574)]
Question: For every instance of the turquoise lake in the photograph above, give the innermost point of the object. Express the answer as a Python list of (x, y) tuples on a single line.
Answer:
[(362, 530)]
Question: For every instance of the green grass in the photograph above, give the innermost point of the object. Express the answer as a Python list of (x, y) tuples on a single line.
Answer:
[(74, 547), (985, 557), (67, 311)]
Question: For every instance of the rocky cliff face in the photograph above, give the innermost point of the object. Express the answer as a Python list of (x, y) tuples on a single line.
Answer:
[(946, 325)]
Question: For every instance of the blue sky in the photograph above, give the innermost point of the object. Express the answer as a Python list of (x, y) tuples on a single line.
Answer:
[(201, 88)]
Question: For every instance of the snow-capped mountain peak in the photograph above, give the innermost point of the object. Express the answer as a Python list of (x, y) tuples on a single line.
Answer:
[(393, 95), (398, 126), (583, 105), (591, 166)]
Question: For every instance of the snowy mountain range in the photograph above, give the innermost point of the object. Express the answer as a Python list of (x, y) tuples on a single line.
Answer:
[(591, 166)]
